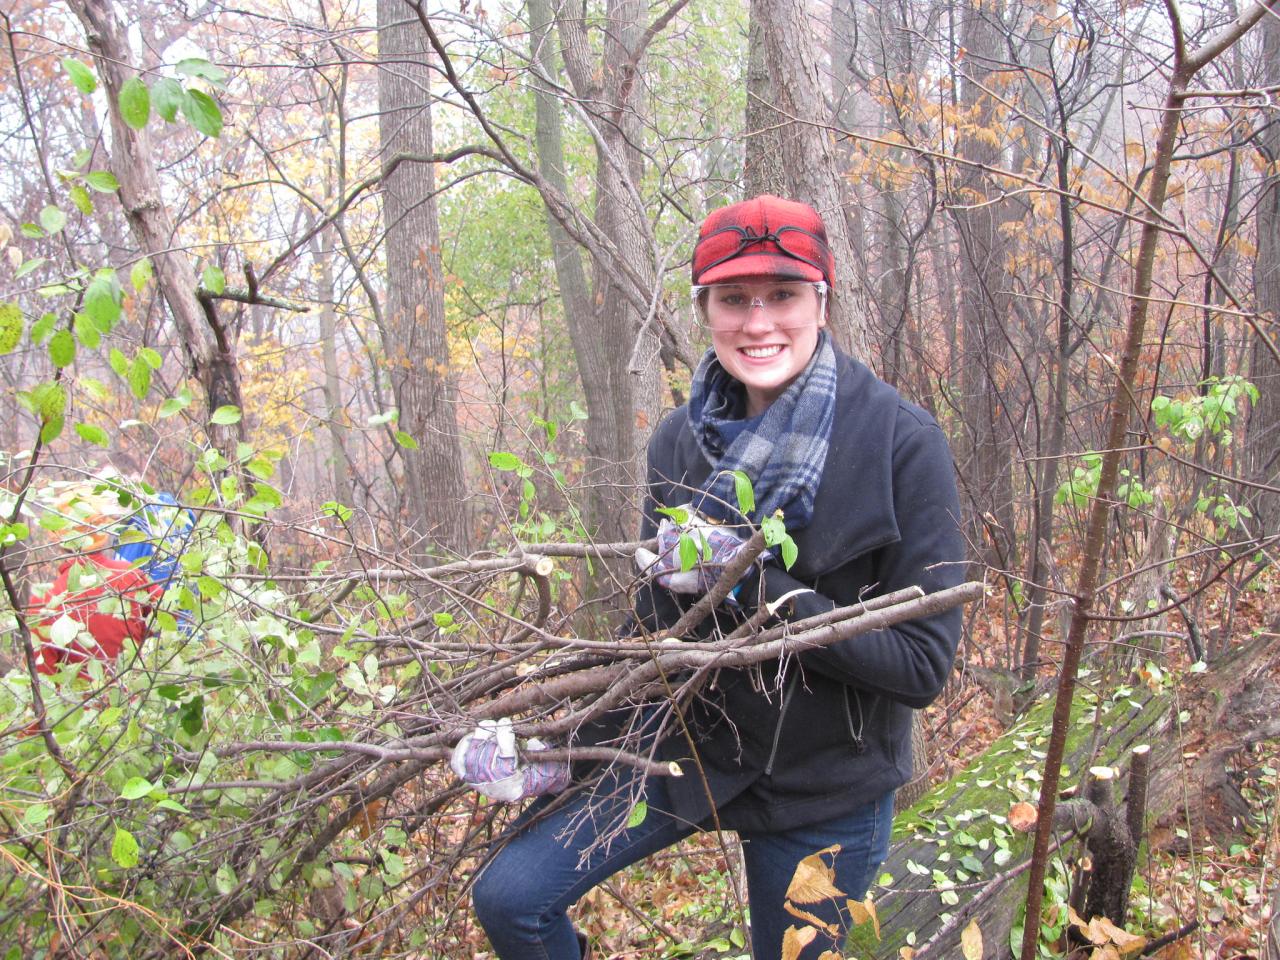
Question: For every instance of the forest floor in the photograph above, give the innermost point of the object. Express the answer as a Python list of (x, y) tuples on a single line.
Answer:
[(682, 903)]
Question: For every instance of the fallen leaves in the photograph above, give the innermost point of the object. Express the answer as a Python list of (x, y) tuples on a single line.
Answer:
[(971, 941)]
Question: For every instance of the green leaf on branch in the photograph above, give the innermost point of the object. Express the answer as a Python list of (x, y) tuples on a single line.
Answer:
[(225, 879), (81, 200), (80, 75), (35, 263), (265, 497), (176, 404), (10, 327), (52, 219), (140, 273), (406, 441), (104, 181), (192, 717), (502, 460), (745, 495), (775, 535), (86, 332), (93, 434), (139, 378), (166, 98), (43, 328), (213, 280), (225, 416), (638, 814), (202, 68), (677, 515), (62, 349), (37, 814), (135, 103), (203, 113), (11, 533), (333, 508), (48, 400), (687, 549), (52, 429), (124, 848), (104, 299), (136, 787)]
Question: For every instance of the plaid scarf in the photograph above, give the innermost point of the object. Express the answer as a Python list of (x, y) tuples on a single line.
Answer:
[(782, 452)]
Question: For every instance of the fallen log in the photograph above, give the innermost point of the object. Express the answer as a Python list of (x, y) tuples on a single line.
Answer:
[(957, 857)]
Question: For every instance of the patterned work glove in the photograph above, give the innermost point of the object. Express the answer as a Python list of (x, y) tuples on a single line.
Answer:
[(488, 761), (716, 546)]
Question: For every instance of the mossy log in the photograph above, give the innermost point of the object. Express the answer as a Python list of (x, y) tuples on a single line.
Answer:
[(956, 858)]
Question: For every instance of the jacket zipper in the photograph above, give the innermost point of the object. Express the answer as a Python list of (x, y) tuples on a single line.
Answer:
[(782, 715), (859, 745)]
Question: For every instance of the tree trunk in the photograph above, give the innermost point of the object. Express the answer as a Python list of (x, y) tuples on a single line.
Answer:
[(334, 408), (791, 152), (619, 170), (607, 327), (1233, 705), (986, 456), (416, 353), (209, 344), (1264, 419)]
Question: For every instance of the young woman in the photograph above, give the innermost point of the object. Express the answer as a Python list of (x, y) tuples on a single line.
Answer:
[(803, 755)]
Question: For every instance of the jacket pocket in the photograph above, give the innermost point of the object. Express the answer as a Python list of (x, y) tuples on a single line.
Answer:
[(787, 696), (855, 732)]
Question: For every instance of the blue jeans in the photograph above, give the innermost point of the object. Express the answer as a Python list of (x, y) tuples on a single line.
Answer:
[(522, 895)]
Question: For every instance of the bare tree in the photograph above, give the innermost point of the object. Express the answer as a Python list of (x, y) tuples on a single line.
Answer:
[(790, 149), (607, 327), (415, 345), (1264, 421)]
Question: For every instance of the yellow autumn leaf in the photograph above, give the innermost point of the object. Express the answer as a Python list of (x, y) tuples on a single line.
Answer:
[(971, 941), (906, 953), (795, 940), (864, 911), (808, 917), (830, 955), (814, 881)]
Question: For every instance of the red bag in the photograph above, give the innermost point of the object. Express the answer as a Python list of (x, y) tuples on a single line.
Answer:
[(105, 578)]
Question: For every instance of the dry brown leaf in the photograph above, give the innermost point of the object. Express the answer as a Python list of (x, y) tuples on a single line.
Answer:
[(971, 941), (1125, 941), (795, 911), (864, 911), (366, 819), (1097, 933), (795, 940), (814, 881), (1022, 816), (906, 953), (830, 955), (1107, 952)]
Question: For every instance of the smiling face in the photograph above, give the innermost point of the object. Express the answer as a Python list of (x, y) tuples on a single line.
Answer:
[(772, 344)]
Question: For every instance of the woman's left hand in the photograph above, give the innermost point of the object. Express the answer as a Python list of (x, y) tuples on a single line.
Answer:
[(694, 566)]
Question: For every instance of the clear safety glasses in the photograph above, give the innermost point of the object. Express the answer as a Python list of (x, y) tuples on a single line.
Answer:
[(726, 307)]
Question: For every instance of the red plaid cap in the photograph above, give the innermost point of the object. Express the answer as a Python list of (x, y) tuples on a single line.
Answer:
[(765, 236)]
